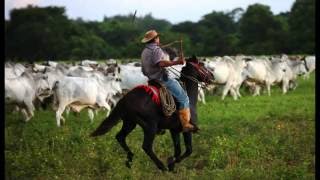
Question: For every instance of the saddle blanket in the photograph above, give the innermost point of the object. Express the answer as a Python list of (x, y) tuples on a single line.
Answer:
[(153, 91)]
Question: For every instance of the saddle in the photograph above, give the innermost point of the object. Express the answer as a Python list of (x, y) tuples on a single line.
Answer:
[(166, 99)]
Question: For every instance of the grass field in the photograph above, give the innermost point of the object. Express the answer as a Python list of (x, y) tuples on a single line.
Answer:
[(252, 138)]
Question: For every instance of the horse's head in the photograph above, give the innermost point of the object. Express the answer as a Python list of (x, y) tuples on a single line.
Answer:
[(196, 69), (170, 52)]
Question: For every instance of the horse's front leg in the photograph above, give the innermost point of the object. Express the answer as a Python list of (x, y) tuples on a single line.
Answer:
[(187, 136), (177, 150)]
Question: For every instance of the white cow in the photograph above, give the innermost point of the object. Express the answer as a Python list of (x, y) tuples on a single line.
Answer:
[(9, 73), (266, 72), (229, 73), (310, 64), (294, 69), (89, 63), (52, 64), (240, 73), (79, 71), (38, 68), (23, 90), (83, 71), (201, 95), (54, 74), (14, 70), (82, 92), (131, 76)]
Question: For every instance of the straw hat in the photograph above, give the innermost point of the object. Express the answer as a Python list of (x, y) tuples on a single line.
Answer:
[(149, 36)]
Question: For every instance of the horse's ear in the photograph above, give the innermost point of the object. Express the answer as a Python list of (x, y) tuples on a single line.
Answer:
[(194, 58), (172, 52)]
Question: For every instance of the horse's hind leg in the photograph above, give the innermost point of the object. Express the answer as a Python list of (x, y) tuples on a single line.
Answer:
[(177, 150), (127, 127), (149, 135)]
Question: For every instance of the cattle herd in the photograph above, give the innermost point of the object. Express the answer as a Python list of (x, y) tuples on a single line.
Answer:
[(93, 85)]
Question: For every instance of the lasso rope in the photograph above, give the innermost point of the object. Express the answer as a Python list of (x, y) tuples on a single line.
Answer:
[(167, 102), (186, 76)]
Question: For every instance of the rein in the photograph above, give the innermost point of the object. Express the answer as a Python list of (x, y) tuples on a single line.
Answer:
[(175, 72)]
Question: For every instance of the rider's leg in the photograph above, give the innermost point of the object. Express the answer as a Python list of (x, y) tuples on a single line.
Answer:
[(184, 111)]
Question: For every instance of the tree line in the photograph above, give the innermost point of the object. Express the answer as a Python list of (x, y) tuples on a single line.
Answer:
[(35, 33)]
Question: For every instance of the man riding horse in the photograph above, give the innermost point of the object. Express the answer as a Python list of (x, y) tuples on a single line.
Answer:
[(153, 66), (139, 106)]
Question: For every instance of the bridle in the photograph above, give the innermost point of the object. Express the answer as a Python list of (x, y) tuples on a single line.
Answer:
[(205, 75)]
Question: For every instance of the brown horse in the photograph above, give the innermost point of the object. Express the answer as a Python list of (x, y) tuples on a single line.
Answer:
[(147, 114)]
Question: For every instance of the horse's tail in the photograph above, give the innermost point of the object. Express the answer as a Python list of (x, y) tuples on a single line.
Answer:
[(110, 121)]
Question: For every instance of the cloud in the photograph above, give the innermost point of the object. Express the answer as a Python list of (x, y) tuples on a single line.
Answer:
[(173, 10), (21, 3), (12, 4)]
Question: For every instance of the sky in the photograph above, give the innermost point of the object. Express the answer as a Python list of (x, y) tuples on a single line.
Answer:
[(175, 11)]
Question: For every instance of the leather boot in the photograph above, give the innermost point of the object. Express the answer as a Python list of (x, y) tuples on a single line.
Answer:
[(184, 116)]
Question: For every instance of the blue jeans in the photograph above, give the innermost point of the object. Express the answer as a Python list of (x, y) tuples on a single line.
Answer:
[(178, 92)]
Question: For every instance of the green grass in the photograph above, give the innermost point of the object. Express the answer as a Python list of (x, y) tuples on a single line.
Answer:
[(253, 138)]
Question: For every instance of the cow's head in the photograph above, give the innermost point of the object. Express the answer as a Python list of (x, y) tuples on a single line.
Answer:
[(302, 68), (42, 86)]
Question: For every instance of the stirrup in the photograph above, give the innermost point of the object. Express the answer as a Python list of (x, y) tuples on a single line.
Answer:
[(195, 129)]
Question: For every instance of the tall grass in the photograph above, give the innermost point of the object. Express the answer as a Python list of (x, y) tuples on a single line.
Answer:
[(253, 138)]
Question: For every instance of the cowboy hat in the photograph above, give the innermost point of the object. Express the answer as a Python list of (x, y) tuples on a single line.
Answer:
[(149, 36)]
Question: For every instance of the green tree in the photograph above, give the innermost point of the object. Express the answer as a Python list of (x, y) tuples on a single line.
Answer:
[(6, 49), (283, 36), (37, 33), (85, 43), (259, 30), (302, 26), (216, 31), (149, 22)]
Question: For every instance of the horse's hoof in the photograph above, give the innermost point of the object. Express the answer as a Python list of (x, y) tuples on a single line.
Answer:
[(171, 167), (178, 160), (171, 161), (162, 168)]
